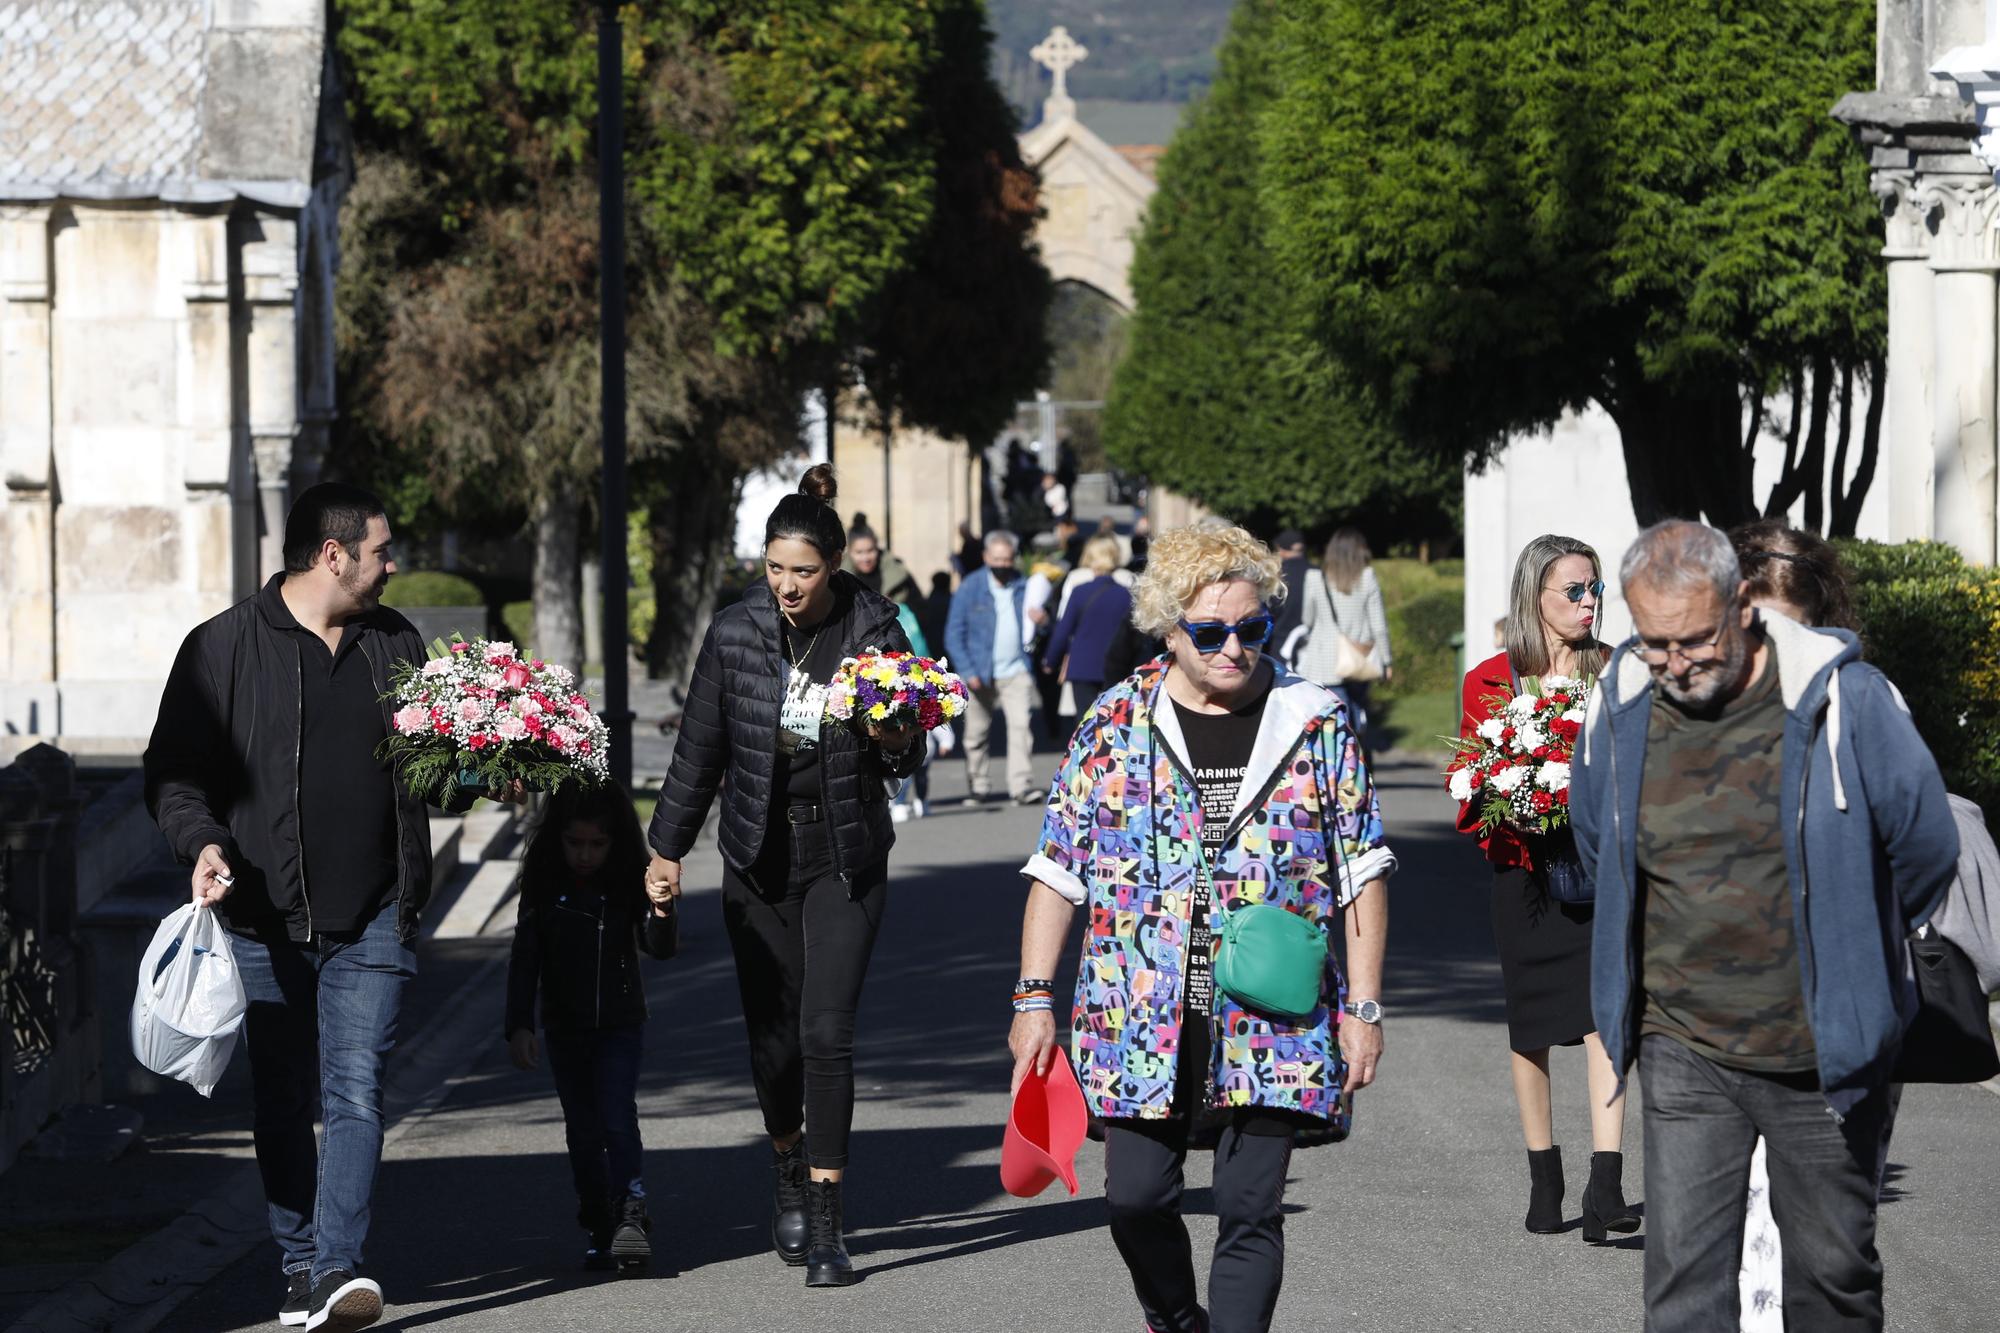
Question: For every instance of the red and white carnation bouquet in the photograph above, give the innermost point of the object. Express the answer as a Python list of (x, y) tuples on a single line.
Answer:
[(1515, 768), (478, 714)]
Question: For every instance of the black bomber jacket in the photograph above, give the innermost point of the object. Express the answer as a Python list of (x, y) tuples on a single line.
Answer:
[(223, 763)]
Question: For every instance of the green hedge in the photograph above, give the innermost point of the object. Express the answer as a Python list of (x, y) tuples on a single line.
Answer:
[(427, 587), (519, 618), (1426, 606), (1931, 622)]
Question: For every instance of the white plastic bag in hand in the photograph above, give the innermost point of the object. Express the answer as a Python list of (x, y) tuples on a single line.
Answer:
[(190, 1005)]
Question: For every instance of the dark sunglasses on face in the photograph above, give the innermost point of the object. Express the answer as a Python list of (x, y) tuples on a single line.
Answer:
[(1208, 636), (1575, 591)]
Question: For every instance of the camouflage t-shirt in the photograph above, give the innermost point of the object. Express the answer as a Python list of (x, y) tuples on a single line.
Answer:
[(1720, 960)]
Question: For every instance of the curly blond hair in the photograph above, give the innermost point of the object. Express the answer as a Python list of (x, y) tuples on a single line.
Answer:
[(1183, 561)]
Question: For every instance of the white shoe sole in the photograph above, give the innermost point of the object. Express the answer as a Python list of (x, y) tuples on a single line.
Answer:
[(356, 1303)]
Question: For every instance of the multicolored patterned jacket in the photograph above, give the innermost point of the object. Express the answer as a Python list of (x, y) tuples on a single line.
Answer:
[(1122, 837)]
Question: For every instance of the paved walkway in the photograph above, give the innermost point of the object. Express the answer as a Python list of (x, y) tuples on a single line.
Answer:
[(1414, 1224)]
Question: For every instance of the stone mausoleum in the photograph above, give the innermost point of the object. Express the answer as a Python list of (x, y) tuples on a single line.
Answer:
[(170, 177)]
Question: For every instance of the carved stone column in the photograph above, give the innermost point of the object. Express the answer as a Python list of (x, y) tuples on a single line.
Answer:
[(27, 510), (1961, 212), (270, 295), (1906, 390)]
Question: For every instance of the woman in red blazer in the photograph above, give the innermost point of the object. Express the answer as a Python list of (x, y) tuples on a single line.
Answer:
[(1544, 944)]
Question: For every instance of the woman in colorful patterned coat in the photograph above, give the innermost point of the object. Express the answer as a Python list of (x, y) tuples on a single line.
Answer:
[(1210, 780)]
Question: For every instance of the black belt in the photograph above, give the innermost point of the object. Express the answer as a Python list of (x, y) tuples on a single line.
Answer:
[(804, 814)]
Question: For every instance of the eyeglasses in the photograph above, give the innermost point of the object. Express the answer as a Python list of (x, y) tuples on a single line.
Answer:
[(1694, 654), (1209, 636), (1575, 591)]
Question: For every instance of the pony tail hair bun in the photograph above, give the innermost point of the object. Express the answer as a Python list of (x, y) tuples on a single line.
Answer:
[(808, 515), (820, 483)]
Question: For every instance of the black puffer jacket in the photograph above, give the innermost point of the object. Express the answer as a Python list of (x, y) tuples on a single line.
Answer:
[(729, 735), (223, 763)]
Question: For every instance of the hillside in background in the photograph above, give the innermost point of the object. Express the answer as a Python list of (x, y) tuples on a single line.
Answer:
[(1140, 50)]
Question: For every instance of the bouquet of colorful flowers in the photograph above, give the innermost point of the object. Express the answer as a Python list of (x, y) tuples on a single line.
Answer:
[(1515, 767), (476, 714), (895, 690)]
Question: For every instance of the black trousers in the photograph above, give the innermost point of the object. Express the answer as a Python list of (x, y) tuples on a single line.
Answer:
[(802, 945), (1145, 1165)]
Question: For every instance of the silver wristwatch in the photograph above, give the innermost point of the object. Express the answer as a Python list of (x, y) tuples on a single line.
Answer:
[(1368, 1011)]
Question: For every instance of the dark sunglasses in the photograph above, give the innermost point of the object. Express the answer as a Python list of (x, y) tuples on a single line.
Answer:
[(1575, 591), (1208, 636)]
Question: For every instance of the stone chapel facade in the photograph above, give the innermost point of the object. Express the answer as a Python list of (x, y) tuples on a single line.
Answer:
[(170, 180)]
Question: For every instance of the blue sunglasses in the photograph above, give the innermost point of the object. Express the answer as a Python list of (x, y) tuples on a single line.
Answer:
[(1209, 636)]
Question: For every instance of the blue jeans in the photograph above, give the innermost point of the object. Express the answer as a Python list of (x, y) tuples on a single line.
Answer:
[(321, 1022), (597, 1081), (1701, 1121)]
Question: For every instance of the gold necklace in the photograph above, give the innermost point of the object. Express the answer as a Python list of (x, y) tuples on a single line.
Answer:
[(800, 659)]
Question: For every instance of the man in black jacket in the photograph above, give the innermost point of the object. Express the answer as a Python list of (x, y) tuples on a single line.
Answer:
[(262, 773)]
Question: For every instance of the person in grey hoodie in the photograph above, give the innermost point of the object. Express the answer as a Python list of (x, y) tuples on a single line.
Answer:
[(1764, 828)]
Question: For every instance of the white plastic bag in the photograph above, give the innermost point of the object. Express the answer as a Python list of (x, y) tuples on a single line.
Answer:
[(190, 1005)]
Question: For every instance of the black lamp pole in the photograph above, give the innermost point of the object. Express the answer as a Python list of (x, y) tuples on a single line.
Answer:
[(611, 276)]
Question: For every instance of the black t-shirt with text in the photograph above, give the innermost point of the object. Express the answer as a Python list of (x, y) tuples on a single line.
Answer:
[(811, 659), (1218, 753)]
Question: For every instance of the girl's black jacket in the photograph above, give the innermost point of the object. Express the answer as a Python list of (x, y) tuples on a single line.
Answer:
[(729, 733), (583, 951)]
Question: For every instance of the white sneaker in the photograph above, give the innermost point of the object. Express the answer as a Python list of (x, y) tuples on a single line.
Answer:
[(919, 807), (899, 813)]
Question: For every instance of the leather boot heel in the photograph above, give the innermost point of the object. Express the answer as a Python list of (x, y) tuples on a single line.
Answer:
[(1545, 1191), (790, 1234), (827, 1263), (1604, 1206)]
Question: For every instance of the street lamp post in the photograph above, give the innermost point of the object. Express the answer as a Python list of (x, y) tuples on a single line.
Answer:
[(611, 277)]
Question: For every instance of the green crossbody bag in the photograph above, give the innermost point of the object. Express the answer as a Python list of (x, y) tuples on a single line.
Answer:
[(1271, 961)]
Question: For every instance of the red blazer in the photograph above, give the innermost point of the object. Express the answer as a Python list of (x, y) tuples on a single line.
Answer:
[(1503, 847)]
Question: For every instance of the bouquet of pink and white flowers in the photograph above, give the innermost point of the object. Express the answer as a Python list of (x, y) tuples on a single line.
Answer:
[(895, 690), (1515, 767), (477, 714)]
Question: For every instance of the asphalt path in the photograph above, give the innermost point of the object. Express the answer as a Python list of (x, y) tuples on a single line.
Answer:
[(1413, 1224)]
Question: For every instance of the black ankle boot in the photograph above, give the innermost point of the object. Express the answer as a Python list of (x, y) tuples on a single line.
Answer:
[(827, 1264), (631, 1239), (789, 1234), (1604, 1206), (597, 1222), (1545, 1191)]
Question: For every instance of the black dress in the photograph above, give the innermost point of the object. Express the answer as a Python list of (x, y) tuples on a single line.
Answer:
[(1544, 961)]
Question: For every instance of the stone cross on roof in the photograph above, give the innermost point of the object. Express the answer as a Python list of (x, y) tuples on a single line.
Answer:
[(1059, 53)]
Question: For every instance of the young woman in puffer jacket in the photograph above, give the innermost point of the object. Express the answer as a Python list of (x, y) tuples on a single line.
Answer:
[(583, 920), (805, 838)]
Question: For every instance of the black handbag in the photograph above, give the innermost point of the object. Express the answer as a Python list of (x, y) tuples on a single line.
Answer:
[(1951, 1038)]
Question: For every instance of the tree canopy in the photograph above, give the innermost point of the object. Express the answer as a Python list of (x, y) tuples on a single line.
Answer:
[(791, 163), (1225, 395), (1500, 211)]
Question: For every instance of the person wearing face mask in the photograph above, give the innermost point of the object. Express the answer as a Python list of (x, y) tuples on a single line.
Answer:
[(1764, 827), (805, 840), (1163, 823), (988, 640), (1544, 945)]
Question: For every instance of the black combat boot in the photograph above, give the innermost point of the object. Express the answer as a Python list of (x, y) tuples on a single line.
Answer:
[(789, 1233), (827, 1264)]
